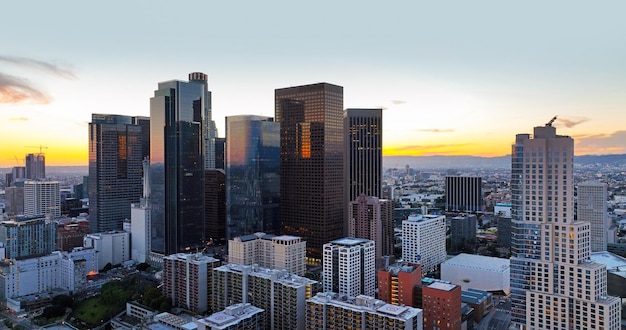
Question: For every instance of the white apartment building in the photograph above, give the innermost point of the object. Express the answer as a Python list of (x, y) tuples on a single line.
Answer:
[(140, 232), (42, 198), (187, 280), (281, 294), (329, 310), (269, 251), (424, 240), (349, 266), (593, 207), (235, 317), (554, 284), (112, 247)]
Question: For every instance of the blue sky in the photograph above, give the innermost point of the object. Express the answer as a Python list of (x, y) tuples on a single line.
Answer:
[(454, 77)]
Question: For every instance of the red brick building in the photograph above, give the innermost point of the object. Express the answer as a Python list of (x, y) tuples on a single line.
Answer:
[(441, 306), (396, 282)]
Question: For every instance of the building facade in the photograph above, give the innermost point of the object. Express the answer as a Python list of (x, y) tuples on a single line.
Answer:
[(42, 198), (269, 251), (329, 310), (349, 267), (35, 166), (592, 207), (253, 175), (396, 283), (179, 114), (424, 240), (27, 237), (311, 163), (554, 285), (113, 247), (187, 280), (462, 231), (464, 193), (115, 170), (363, 153), (215, 206), (282, 295), (441, 306), (372, 218)]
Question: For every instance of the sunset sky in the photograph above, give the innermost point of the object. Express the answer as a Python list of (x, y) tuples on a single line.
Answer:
[(454, 78)]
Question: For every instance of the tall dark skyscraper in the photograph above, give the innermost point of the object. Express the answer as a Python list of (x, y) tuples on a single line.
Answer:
[(311, 163), (35, 166), (253, 175), (115, 170), (178, 113), (215, 206), (363, 155), (220, 153), (464, 193)]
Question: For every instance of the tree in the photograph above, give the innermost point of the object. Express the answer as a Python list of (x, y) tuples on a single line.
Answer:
[(53, 311), (63, 300), (143, 266)]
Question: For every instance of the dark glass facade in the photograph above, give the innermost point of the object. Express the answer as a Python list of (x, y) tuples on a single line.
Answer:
[(177, 113), (215, 206), (220, 153), (311, 160), (115, 170), (35, 166), (253, 175)]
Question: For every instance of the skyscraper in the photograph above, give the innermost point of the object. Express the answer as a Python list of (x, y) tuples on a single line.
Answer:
[(592, 207), (363, 154), (215, 206), (554, 285), (424, 240), (252, 175), (372, 218), (349, 267), (42, 198), (178, 114), (115, 170), (463, 193), (311, 162), (35, 166)]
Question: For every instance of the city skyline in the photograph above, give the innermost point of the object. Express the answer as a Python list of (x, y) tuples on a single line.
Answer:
[(452, 80)]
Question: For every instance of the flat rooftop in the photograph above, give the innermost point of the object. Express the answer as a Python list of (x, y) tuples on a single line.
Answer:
[(349, 241), (442, 286), (479, 262)]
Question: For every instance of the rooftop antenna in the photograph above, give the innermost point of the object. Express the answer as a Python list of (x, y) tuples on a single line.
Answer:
[(551, 121)]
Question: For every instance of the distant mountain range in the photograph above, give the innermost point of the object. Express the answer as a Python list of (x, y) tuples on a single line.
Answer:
[(474, 162), (415, 162)]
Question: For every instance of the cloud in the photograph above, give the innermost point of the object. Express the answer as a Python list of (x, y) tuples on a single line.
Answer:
[(40, 65), (428, 147), (15, 90), (569, 123), (597, 144), (18, 119), (435, 130), (398, 102)]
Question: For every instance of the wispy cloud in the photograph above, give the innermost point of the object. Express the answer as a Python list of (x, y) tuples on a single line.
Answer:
[(40, 65), (435, 130), (15, 90), (429, 147), (398, 102), (601, 143), (18, 119), (571, 122)]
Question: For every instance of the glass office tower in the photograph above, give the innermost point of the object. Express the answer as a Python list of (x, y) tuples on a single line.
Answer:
[(178, 113), (253, 175), (311, 163), (115, 170)]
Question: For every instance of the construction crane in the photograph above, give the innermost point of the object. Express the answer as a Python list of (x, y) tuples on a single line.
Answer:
[(41, 147), (551, 121)]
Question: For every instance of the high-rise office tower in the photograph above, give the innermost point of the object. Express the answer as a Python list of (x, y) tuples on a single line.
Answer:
[(441, 306), (372, 218), (42, 198), (464, 193), (35, 166), (424, 240), (115, 170), (363, 154), (17, 173), (209, 130), (178, 116), (140, 220), (215, 206), (349, 267), (592, 207), (252, 175), (462, 232), (220, 153), (554, 285), (311, 163), (396, 283)]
